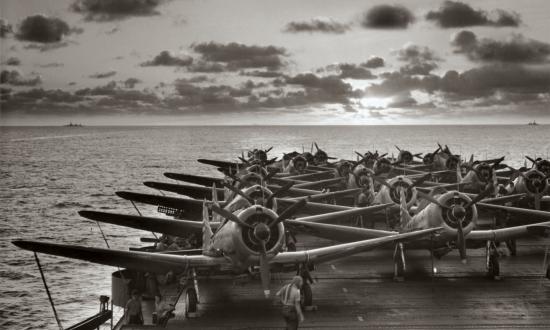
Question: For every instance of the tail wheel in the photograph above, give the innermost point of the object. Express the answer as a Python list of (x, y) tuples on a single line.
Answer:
[(190, 301), (306, 295)]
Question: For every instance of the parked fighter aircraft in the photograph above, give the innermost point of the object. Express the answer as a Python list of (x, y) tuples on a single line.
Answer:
[(533, 183), (249, 238), (454, 211)]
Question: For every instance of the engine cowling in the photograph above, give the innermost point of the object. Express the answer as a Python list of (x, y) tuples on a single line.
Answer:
[(435, 216), (534, 182), (246, 240), (387, 195)]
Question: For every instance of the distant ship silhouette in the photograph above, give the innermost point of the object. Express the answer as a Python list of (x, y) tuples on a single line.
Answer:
[(533, 123), (73, 125)]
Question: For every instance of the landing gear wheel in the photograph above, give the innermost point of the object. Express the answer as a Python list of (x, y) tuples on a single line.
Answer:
[(190, 301), (306, 295), (511, 244), (494, 267), (399, 271)]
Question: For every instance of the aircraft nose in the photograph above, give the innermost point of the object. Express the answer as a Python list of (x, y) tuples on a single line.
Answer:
[(261, 231), (459, 212)]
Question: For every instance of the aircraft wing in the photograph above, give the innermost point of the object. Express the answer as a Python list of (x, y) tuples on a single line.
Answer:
[(509, 233), (157, 225), (187, 190), (518, 210), (144, 261), (336, 232), (329, 253), (192, 207), (345, 214), (196, 179), (219, 163)]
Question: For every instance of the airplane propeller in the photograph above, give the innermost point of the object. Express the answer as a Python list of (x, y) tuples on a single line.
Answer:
[(458, 211), (262, 233)]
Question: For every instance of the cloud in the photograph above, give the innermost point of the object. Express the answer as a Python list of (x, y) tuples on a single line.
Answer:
[(239, 56), (373, 62), (414, 54), (165, 58), (207, 67), (516, 49), (131, 82), (108, 10), (45, 47), (318, 24), (5, 28), (43, 29), (101, 75), (420, 60), (262, 74), (474, 84), (323, 89), (458, 14), (14, 61), (354, 72), (15, 78), (387, 17), (51, 65)]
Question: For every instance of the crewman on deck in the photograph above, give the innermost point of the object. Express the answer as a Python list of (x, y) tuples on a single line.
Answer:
[(290, 298), (133, 312)]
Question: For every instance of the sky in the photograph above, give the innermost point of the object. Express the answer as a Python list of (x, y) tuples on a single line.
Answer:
[(313, 62)]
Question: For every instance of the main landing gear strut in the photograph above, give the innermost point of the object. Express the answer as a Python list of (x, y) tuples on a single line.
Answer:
[(493, 264), (399, 266), (190, 289), (306, 294)]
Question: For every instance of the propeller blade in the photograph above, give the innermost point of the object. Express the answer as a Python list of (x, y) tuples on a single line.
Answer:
[(271, 174), (480, 196), (421, 180), (280, 192), (238, 192), (418, 155), (382, 181), (316, 146), (431, 199), (229, 216), (461, 242), (289, 212), (268, 149), (271, 161), (517, 171), (382, 156), (537, 201), (358, 154), (264, 269), (531, 159)]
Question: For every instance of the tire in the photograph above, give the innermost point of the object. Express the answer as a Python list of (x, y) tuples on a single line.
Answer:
[(494, 266), (190, 301), (306, 295)]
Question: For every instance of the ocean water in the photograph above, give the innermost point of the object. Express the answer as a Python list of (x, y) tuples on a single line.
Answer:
[(48, 174)]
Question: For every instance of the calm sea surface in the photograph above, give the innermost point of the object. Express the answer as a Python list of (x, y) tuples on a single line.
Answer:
[(48, 174)]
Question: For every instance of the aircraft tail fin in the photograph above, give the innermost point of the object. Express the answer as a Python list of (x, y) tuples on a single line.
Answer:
[(207, 232), (404, 215)]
